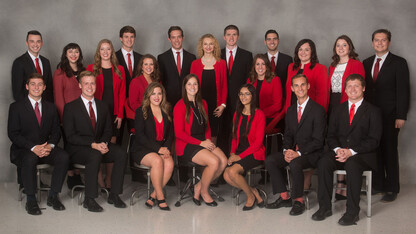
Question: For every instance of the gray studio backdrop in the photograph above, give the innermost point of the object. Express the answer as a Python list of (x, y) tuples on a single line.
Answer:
[(88, 21)]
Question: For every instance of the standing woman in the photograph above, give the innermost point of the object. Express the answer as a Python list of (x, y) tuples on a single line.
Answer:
[(152, 146), (247, 149), (306, 62), (66, 89), (268, 87), (212, 73), (148, 72), (193, 138), (111, 89)]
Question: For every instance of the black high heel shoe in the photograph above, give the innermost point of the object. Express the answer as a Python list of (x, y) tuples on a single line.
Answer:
[(246, 208), (196, 201), (262, 203), (152, 200), (212, 204), (163, 208)]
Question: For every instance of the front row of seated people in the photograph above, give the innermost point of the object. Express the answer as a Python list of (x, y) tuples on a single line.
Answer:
[(353, 136)]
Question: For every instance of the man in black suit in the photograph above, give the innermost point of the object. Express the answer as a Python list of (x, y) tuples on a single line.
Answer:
[(239, 62), (353, 137), (29, 63), (172, 71), (387, 78), (279, 61), (33, 128), (87, 125), (302, 147)]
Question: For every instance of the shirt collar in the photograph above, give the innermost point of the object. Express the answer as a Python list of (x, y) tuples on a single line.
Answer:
[(233, 50), (357, 104), (174, 51), (125, 52), (33, 102), (85, 101), (303, 104), (32, 56), (383, 57)]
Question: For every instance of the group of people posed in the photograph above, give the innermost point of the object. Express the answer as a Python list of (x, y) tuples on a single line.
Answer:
[(214, 110)]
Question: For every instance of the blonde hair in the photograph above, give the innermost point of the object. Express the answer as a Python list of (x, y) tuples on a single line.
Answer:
[(113, 59), (217, 50)]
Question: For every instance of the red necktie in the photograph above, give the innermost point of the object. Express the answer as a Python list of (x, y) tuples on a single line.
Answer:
[(273, 64), (38, 70), (352, 112), (178, 62), (92, 115), (230, 62), (130, 66), (376, 69), (299, 114), (37, 112)]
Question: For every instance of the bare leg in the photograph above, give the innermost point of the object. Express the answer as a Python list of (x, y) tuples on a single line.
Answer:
[(167, 170), (235, 175), (223, 161), (155, 162), (211, 163)]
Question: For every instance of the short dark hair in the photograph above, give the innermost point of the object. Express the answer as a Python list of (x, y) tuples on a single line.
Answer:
[(84, 74), (382, 30), (33, 32), (127, 29), (35, 75), (297, 76), (231, 27), (174, 28), (269, 32), (355, 77)]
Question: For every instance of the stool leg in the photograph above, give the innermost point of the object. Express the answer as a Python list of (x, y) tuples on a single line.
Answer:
[(368, 185), (38, 175), (148, 183), (334, 187)]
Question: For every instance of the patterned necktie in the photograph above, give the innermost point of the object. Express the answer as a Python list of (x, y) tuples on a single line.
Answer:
[(273, 64)]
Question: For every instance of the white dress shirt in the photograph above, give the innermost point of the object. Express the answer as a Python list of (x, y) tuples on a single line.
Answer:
[(126, 58), (383, 58), (175, 55), (87, 106), (34, 61)]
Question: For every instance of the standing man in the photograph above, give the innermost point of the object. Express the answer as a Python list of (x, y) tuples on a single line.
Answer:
[(31, 62), (174, 64), (239, 62), (279, 61), (87, 125), (353, 137), (33, 128), (387, 78), (302, 147)]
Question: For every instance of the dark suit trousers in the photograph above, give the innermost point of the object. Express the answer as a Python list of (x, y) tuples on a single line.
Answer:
[(92, 159), (58, 158), (275, 162), (386, 178), (354, 167)]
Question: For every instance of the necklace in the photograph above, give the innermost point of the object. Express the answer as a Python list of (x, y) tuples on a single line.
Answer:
[(200, 121)]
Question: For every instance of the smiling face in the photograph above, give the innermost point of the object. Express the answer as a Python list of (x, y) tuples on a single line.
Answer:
[(105, 51), (260, 67), (245, 96), (231, 37), (272, 41), (300, 87), (148, 66), (72, 55), (176, 38), (156, 96), (208, 45), (35, 88), (354, 90), (342, 48), (304, 53), (381, 43), (127, 41), (191, 88), (88, 87), (34, 44)]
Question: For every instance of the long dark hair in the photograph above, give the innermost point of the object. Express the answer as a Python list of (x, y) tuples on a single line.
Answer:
[(240, 107), (352, 54), (314, 56), (155, 76), (64, 63), (164, 105), (268, 76), (198, 98)]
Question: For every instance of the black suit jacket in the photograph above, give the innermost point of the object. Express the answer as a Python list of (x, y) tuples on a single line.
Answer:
[(122, 62), (78, 128), (23, 66), (23, 128), (239, 74), (283, 61), (309, 133), (362, 136), (146, 132), (170, 76), (391, 90)]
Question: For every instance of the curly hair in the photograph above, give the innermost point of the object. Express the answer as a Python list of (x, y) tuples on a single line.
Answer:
[(113, 59), (155, 76), (164, 105), (268, 76), (217, 49), (351, 54), (64, 63)]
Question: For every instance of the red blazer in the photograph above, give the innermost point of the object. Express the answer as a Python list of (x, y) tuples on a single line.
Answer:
[(353, 67), (119, 89), (65, 89), (270, 97), (220, 68), (255, 136), (136, 91), (183, 129), (318, 80)]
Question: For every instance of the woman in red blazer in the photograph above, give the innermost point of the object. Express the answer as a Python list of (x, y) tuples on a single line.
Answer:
[(111, 89), (268, 87), (212, 73), (148, 72), (247, 150), (306, 62), (193, 138)]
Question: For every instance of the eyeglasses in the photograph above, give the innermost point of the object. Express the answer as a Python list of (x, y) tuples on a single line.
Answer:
[(244, 94)]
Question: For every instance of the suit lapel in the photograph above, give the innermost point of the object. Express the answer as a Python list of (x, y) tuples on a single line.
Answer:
[(357, 116), (236, 60), (304, 114), (29, 61), (172, 62), (385, 63), (86, 115), (31, 112)]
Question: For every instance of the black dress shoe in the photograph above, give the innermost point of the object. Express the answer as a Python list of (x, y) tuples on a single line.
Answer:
[(375, 191), (348, 219), (297, 209), (166, 208), (92, 205), (280, 203), (246, 208), (389, 197), (340, 197), (55, 203), (321, 214), (115, 199), (32, 208), (196, 201), (212, 204)]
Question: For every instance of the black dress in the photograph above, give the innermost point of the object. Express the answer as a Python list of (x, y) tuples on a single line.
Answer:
[(209, 94), (108, 96), (198, 129)]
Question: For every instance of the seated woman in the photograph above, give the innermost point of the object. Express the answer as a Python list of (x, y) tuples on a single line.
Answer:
[(154, 134), (193, 138), (247, 150)]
